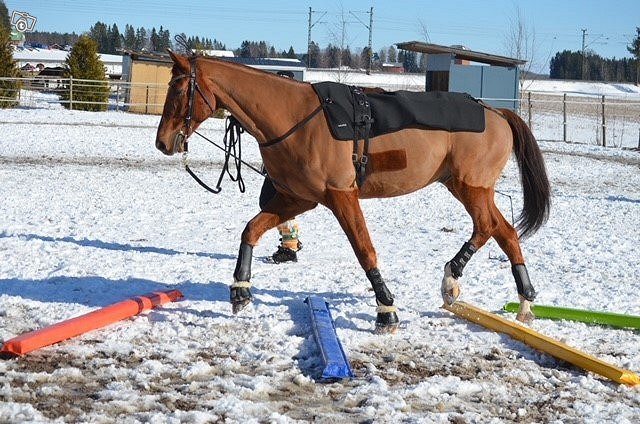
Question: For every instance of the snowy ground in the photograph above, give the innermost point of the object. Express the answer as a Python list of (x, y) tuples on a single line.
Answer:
[(93, 214)]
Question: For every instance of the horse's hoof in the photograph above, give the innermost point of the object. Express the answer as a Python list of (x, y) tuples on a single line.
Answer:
[(525, 314), (387, 323), (238, 306), (450, 289), (525, 317), (240, 297), (450, 298)]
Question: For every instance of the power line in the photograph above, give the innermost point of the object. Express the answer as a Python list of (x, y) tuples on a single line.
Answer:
[(311, 25), (370, 28)]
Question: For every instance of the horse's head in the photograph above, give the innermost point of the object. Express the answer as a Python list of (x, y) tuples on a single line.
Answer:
[(187, 105)]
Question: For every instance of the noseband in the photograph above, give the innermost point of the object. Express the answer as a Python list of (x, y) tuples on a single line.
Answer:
[(181, 137)]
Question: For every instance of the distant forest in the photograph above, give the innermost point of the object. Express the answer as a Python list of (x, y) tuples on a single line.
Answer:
[(571, 65), (564, 65)]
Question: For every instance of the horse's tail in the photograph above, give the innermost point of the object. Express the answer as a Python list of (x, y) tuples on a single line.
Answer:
[(533, 175)]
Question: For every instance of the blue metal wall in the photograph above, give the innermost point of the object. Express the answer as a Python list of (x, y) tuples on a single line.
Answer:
[(488, 82)]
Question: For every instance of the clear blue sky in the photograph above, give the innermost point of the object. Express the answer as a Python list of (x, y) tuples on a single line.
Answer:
[(478, 24)]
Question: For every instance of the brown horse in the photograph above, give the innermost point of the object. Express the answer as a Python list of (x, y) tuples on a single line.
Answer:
[(308, 166)]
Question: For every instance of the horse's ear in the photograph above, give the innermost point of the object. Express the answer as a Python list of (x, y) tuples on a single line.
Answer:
[(178, 59)]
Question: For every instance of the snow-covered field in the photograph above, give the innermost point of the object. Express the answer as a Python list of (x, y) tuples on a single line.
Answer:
[(92, 214)]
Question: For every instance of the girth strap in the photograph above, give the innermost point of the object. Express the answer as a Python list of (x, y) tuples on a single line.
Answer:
[(362, 120)]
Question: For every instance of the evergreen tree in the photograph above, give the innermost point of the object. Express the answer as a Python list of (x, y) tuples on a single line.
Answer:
[(141, 39), (634, 49), (165, 40), (245, 49), (263, 50), (346, 57), (115, 39), (99, 34), (5, 22), (422, 63), (314, 56), (154, 40), (408, 59), (217, 45), (392, 54), (8, 89), (129, 37), (49, 38), (331, 57), (291, 54), (83, 63), (382, 55), (364, 57)]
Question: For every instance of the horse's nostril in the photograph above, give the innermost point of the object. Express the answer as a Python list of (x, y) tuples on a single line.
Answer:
[(160, 146)]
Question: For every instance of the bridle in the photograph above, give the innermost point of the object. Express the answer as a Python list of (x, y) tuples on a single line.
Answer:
[(232, 145), (181, 137)]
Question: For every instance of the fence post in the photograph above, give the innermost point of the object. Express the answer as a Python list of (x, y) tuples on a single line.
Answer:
[(604, 126), (117, 96), (529, 107), (146, 103), (564, 117), (70, 93)]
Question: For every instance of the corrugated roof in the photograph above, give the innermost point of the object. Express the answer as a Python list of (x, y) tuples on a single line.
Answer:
[(461, 53)]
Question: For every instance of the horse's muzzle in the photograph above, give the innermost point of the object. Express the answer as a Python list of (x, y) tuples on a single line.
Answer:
[(161, 146), (179, 144)]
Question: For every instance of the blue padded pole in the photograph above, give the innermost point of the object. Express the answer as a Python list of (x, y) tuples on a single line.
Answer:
[(336, 364)]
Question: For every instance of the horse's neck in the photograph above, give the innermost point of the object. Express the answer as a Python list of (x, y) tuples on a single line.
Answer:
[(266, 105)]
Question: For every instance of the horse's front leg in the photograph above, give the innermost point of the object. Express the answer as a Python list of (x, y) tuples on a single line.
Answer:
[(241, 287), (278, 210), (346, 208)]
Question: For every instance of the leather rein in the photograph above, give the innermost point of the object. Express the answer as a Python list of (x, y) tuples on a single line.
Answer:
[(232, 141)]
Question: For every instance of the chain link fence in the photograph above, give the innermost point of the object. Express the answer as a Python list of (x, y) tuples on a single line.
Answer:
[(587, 119)]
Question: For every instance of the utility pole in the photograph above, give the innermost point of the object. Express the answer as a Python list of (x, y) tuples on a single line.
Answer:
[(370, 28), (584, 62), (585, 45), (311, 25)]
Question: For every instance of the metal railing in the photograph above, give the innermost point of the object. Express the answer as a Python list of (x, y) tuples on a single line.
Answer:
[(611, 121), (599, 120), (45, 92)]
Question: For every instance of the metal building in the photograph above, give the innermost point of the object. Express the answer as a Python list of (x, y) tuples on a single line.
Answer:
[(485, 76)]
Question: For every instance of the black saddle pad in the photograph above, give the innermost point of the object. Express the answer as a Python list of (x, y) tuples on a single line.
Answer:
[(393, 111)]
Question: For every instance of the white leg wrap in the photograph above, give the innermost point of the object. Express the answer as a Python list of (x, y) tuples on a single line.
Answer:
[(241, 285), (386, 309)]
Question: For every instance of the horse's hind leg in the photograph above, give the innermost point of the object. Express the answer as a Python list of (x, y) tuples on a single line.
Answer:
[(487, 222), (346, 208), (507, 239), (277, 211), (477, 201)]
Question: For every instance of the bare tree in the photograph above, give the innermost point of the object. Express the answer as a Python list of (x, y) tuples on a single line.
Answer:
[(425, 32), (520, 43)]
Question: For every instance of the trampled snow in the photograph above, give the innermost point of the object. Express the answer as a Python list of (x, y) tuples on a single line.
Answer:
[(93, 214)]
